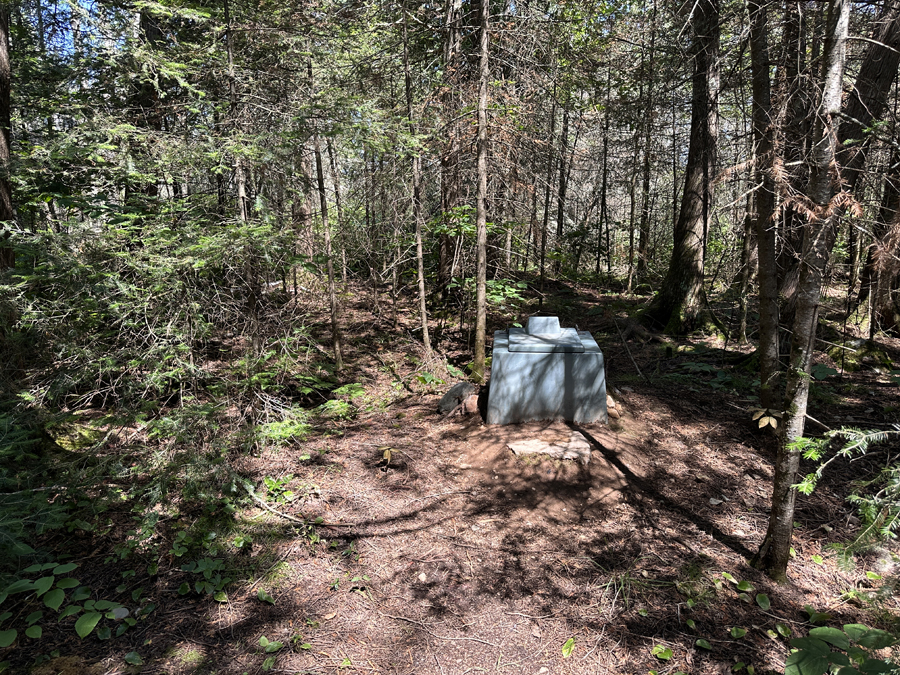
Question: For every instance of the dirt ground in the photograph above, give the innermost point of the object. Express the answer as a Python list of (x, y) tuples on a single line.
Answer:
[(455, 556)]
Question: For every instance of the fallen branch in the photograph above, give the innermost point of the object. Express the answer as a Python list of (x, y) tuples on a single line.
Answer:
[(633, 362), (300, 521)]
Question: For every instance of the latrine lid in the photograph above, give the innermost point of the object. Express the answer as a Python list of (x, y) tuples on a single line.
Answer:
[(544, 336)]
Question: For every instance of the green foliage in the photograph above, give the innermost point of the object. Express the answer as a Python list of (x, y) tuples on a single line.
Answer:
[(211, 582), (855, 647), (24, 602), (877, 499)]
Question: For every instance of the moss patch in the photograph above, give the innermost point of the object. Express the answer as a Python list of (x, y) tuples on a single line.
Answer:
[(865, 356)]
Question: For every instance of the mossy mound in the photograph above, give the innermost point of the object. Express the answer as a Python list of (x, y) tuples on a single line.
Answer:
[(864, 356)]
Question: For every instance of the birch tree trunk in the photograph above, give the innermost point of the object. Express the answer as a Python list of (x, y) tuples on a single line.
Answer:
[(820, 231)]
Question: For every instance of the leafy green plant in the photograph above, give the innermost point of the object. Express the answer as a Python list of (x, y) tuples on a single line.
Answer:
[(212, 581), (568, 648), (276, 489), (850, 651), (28, 599), (661, 652)]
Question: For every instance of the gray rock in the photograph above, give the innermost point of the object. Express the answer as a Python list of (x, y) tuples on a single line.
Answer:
[(458, 393)]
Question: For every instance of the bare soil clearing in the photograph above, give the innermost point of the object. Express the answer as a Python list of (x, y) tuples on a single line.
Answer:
[(455, 556)]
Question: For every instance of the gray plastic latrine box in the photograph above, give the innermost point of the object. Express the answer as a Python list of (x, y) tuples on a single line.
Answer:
[(544, 372)]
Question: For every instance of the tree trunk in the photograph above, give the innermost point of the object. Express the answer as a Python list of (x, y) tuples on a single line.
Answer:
[(450, 171), (326, 227), (7, 214), (676, 308), (480, 201), (240, 178), (648, 75), (820, 232), (769, 391), (416, 195), (546, 221), (563, 187)]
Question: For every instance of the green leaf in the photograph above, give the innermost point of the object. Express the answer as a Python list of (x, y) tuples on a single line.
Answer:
[(811, 645), (738, 633), (691, 624), (832, 636), (763, 601), (54, 598), (19, 586), (34, 632), (805, 663), (855, 630), (7, 637), (738, 666), (568, 648), (876, 639), (86, 623), (819, 560), (34, 617), (662, 653), (703, 644), (273, 647), (134, 659), (184, 589), (81, 593), (67, 583), (5, 616), (730, 578), (814, 616), (64, 569), (102, 605), (783, 630), (744, 598), (220, 596), (746, 586), (43, 585), (265, 597), (69, 611)]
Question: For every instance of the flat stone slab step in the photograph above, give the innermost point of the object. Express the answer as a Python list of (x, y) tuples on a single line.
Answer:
[(577, 448)]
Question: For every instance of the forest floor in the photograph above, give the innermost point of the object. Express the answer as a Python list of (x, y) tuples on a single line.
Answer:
[(454, 556)]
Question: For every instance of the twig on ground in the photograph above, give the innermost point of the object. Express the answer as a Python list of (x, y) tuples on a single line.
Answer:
[(301, 521), (424, 627), (633, 362)]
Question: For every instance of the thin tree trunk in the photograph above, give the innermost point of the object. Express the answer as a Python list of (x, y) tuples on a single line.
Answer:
[(478, 365), (820, 233), (416, 195), (7, 214), (546, 222), (336, 179), (764, 224), (326, 228), (647, 70), (563, 187), (604, 213), (239, 172)]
